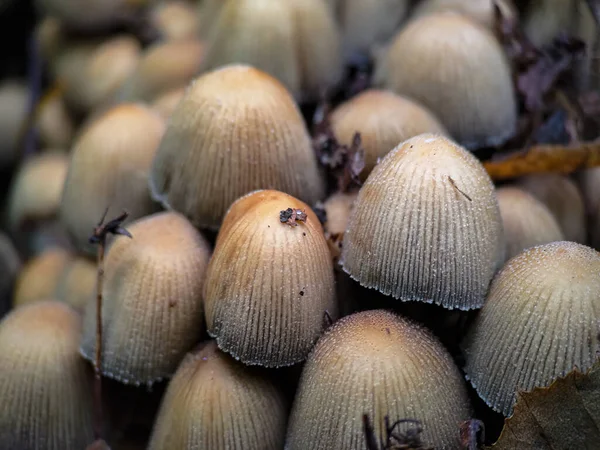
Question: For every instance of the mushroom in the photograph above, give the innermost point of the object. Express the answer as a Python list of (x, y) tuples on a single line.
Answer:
[(426, 226), (13, 113), (589, 185), (381, 365), (269, 284), (545, 19), (338, 208), (215, 402), (54, 123), (45, 385), (236, 130), (110, 164), (152, 306), (175, 20), (76, 284), (166, 103), (526, 221), (540, 321), (383, 120), (481, 11), (457, 69)]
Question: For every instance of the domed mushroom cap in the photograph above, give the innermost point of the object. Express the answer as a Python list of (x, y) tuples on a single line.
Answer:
[(589, 184), (152, 308), (379, 364), (458, 70), (540, 321), (526, 221), (338, 208), (36, 189), (251, 414), (269, 283), (562, 197), (236, 130), (13, 112), (54, 123), (426, 226), (175, 20), (45, 385), (76, 284), (166, 103), (545, 19), (384, 120), (110, 164), (481, 11)]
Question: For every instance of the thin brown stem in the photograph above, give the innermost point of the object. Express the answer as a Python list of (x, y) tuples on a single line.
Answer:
[(98, 358)]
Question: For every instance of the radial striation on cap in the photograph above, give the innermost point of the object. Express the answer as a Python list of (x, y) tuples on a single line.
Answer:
[(426, 226), (540, 321)]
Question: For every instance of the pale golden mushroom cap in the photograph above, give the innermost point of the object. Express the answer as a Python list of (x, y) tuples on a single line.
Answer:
[(426, 226), (379, 364), (55, 125), (539, 322), (384, 120), (269, 284), (526, 221), (45, 385), (236, 130), (152, 307), (457, 69), (215, 402), (481, 11), (166, 103), (77, 284), (36, 189), (14, 97), (110, 165), (338, 208), (175, 20)]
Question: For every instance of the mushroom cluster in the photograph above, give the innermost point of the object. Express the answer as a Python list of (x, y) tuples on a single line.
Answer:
[(268, 224)]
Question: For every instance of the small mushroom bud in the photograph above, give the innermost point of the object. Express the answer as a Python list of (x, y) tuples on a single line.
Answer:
[(457, 69), (540, 321), (236, 130), (175, 20), (481, 11), (152, 307), (45, 385), (562, 197), (270, 281), (36, 189), (13, 113), (166, 103), (251, 414), (338, 208), (383, 120), (426, 226), (55, 126), (109, 167), (379, 364), (76, 284), (526, 221)]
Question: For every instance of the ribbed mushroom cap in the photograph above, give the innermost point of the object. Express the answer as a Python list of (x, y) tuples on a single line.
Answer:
[(163, 66), (540, 321), (481, 11), (457, 69), (526, 221), (384, 120), (214, 402), (268, 283), (39, 277), (338, 208), (152, 308), (76, 284), (166, 103), (295, 41), (426, 226), (545, 19), (13, 111), (562, 197), (379, 364), (54, 124), (45, 385), (10, 264), (110, 164), (36, 189), (175, 20), (236, 130)]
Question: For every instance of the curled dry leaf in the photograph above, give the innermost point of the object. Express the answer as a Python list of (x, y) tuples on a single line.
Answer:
[(564, 415)]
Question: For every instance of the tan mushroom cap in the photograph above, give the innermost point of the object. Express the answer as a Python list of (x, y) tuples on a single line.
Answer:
[(77, 283), (539, 322), (338, 208), (545, 19), (152, 307), (426, 226), (527, 222), (54, 123), (45, 384), (216, 402), (384, 120), (175, 20), (481, 11), (236, 130), (10, 264), (589, 185), (269, 284), (379, 364), (166, 103), (110, 165), (457, 69)]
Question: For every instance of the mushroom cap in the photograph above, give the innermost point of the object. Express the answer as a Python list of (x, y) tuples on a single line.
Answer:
[(251, 410), (13, 112), (544, 19), (457, 69), (110, 164), (76, 284), (45, 386), (54, 123), (166, 103), (426, 226), (589, 185), (36, 189), (384, 120), (526, 221), (10, 264), (269, 284), (539, 322), (175, 20), (338, 208), (152, 300), (236, 130), (481, 11), (379, 364)]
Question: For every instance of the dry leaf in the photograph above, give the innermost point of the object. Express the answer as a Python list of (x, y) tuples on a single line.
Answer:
[(565, 415)]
